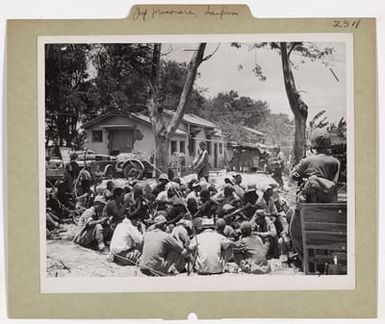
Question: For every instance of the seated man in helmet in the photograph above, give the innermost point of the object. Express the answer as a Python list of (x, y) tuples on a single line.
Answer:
[(160, 185), (92, 227), (250, 251), (318, 174)]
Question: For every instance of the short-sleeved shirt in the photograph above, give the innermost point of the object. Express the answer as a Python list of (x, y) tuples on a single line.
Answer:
[(211, 246), (181, 234), (125, 237), (252, 248), (156, 245), (88, 215), (320, 165)]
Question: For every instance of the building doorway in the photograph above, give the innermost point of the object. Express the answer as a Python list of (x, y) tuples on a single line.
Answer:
[(122, 141)]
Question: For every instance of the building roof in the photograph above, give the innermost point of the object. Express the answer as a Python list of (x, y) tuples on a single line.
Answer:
[(254, 131), (193, 119), (188, 118)]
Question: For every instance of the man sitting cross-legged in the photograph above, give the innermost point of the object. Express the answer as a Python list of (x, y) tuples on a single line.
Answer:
[(161, 251), (93, 227), (212, 249), (250, 251), (126, 242)]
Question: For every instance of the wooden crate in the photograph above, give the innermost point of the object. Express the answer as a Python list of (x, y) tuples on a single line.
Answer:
[(324, 236)]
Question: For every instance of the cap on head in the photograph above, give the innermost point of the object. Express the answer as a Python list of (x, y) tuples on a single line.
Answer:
[(229, 181), (172, 185), (207, 223), (237, 176), (227, 208), (177, 180), (163, 176), (246, 228), (220, 224), (100, 199), (160, 220), (196, 185)]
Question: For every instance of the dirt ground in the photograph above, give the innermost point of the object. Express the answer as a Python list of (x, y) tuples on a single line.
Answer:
[(65, 258)]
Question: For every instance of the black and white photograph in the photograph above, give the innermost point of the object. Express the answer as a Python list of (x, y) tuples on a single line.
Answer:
[(196, 162)]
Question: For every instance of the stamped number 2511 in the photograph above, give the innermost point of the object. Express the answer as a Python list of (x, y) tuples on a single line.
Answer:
[(345, 23)]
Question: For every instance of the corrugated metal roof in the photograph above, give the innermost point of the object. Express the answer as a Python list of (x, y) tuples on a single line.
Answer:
[(193, 119), (142, 117)]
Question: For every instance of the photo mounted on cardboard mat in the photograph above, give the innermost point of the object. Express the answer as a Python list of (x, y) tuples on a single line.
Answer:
[(196, 162)]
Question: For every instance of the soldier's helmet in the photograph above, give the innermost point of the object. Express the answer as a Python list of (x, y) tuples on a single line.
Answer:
[(320, 138)]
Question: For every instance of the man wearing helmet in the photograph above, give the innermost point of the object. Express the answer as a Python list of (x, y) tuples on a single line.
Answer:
[(318, 174)]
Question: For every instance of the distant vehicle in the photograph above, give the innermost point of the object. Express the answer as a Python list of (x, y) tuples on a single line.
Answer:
[(127, 165), (100, 164), (54, 169)]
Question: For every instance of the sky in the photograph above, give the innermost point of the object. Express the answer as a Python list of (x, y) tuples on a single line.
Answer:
[(318, 87)]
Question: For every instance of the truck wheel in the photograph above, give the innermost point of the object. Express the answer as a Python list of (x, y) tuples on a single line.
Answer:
[(133, 170)]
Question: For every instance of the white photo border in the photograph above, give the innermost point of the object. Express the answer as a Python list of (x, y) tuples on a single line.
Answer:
[(201, 283)]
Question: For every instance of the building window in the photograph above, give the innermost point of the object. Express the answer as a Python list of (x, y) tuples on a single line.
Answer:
[(220, 148), (173, 146), (97, 136), (182, 147)]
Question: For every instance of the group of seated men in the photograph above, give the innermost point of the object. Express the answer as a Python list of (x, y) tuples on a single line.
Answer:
[(173, 227)]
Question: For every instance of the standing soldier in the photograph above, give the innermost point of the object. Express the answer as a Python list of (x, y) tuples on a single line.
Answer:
[(201, 163), (71, 170), (279, 167)]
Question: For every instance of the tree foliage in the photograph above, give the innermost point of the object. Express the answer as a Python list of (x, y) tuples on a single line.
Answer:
[(172, 78), (66, 90), (306, 51), (119, 83), (279, 130), (230, 111)]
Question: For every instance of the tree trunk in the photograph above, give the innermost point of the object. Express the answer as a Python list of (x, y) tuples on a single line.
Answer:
[(184, 98), (162, 145), (297, 106), (299, 139), (163, 130)]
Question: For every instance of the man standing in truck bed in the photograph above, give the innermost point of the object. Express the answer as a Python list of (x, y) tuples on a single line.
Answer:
[(318, 174)]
